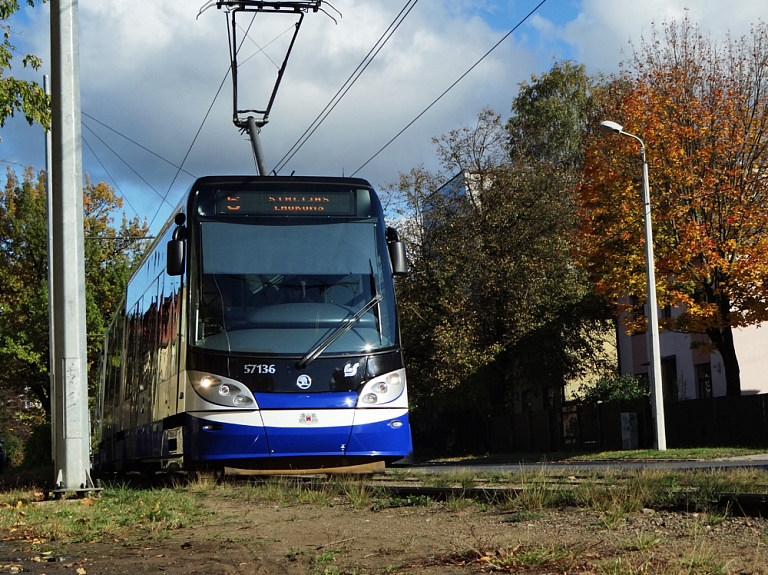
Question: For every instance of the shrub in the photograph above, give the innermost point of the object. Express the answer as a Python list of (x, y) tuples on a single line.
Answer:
[(612, 388), (12, 448), (37, 448)]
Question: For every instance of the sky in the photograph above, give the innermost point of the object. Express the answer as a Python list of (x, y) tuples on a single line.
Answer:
[(155, 93)]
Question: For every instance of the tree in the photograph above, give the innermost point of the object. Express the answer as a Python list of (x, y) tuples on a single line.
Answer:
[(26, 97), (24, 321), (702, 110), (494, 297)]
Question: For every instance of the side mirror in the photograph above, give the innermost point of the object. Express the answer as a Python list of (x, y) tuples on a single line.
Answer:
[(396, 253), (176, 248)]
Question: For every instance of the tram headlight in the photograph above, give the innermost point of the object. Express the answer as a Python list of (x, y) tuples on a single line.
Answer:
[(221, 391), (394, 378), (383, 389), (241, 400)]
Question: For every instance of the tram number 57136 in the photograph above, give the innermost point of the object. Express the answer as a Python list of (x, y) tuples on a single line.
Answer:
[(251, 368)]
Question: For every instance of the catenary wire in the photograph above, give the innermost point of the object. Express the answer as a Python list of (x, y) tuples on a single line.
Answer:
[(151, 187), (507, 35), (180, 168), (103, 167), (208, 113), (134, 142), (347, 84), (189, 150)]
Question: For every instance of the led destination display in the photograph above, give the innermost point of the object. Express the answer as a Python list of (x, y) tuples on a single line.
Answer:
[(267, 203)]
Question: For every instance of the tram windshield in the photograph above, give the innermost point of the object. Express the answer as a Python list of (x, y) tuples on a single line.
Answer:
[(287, 287)]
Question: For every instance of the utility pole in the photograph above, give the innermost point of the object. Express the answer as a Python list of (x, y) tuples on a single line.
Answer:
[(70, 394), (49, 218)]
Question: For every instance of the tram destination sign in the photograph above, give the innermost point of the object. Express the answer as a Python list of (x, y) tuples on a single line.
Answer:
[(268, 203)]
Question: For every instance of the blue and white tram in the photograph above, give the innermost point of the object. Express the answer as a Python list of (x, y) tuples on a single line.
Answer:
[(260, 331)]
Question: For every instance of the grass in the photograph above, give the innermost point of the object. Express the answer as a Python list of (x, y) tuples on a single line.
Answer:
[(133, 516), (108, 517), (141, 512)]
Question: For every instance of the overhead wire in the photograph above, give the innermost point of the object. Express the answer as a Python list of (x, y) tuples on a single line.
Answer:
[(180, 167), (103, 167), (197, 134), (134, 142), (87, 127), (464, 75), (342, 91)]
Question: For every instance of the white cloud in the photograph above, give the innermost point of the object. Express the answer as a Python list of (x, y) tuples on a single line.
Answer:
[(150, 70)]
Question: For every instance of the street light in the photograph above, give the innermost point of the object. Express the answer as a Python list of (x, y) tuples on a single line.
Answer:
[(657, 393)]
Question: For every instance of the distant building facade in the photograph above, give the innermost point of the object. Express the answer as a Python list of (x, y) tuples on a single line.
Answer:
[(691, 368)]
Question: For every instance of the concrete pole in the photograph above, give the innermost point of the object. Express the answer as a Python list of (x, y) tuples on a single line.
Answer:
[(657, 392), (71, 459), (49, 216), (654, 348)]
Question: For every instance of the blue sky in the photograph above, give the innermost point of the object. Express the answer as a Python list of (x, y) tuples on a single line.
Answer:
[(150, 70)]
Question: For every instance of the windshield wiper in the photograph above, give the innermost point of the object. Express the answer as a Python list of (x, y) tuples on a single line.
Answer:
[(338, 332)]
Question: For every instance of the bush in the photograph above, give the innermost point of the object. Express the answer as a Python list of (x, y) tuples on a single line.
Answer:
[(13, 450), (612, 388), (37, 448)]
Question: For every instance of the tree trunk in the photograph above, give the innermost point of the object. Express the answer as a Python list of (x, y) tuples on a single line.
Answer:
[(723, 340)]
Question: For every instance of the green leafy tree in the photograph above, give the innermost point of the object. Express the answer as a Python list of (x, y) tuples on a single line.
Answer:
[(24, 319), (16, 95), (494, 297)]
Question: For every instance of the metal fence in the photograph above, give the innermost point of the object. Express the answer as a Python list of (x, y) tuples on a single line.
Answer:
[(716, 422)]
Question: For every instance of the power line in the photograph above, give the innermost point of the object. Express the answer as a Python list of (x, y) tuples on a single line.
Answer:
[(134, 142), (103, 167), (507, 35), (87, 127), (189, 150), (197, 134), (391, 29)]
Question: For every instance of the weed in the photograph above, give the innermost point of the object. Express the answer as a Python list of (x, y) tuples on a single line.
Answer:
[(644, 541), (328, 556), (463, 477), (613, 517), (702, 562), (294, 554), (458, 503), (522, 516), (359, 495), (619, 567), (521, 556)]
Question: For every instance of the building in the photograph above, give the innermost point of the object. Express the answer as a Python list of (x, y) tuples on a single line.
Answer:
[(691, 368)]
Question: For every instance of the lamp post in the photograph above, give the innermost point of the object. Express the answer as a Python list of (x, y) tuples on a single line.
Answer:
[(657, 393)]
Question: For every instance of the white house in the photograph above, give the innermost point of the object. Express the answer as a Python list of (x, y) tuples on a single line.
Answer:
[(690, 366)]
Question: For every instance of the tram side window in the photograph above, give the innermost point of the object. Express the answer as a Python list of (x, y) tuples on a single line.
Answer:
[(112, 369), (133, 350)]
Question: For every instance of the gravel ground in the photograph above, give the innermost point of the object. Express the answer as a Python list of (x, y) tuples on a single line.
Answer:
[(430, 538)]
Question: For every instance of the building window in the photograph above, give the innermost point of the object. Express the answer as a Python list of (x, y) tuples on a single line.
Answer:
[(669, 378), (704, 380)]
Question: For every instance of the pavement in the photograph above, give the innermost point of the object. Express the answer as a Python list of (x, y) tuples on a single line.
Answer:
[(759, 460)]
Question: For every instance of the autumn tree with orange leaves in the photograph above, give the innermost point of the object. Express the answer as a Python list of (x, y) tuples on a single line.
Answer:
[(701, 108)]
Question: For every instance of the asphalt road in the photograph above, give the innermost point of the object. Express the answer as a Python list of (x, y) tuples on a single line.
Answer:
[(751, 461)]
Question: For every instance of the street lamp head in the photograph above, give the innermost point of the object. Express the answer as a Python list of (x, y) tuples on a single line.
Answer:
[(612, 126)]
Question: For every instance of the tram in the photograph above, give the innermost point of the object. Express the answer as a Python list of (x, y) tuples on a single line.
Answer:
[(259, 332)]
